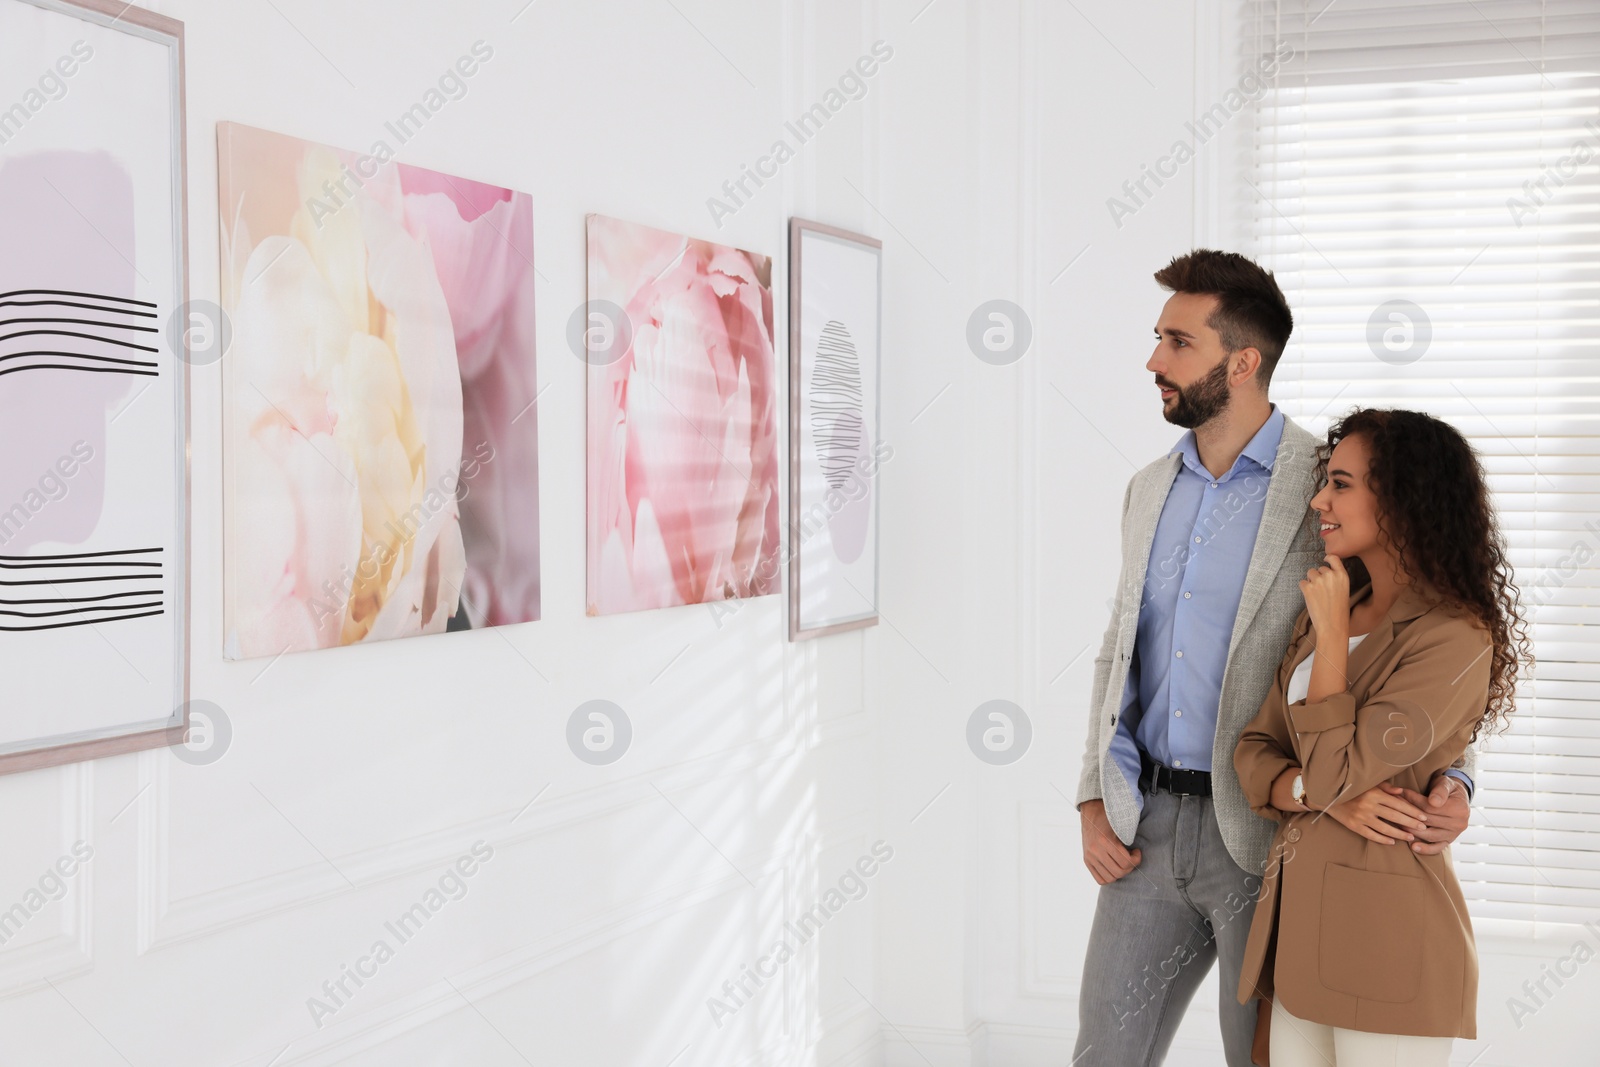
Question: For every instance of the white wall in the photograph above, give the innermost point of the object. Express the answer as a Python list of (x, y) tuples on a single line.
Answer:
[(1001, 149), (983, 959), (220, 897), (1022, 119)]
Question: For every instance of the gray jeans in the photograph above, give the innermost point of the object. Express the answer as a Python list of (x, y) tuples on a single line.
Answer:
[(1157, 931)]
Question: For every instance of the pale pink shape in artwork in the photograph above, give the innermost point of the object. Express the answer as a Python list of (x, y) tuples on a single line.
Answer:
[(481, 240), (848, 526), (68, 222)]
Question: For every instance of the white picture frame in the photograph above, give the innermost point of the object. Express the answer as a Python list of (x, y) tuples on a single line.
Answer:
[(835, 445), (95, 357)]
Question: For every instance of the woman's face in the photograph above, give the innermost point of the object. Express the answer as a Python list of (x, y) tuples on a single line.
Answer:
[(1346, 504)]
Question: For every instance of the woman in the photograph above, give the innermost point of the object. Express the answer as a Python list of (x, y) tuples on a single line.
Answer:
[(1395, 667)]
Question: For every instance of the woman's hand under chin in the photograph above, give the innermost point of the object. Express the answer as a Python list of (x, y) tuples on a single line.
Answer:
[(1327, 594)]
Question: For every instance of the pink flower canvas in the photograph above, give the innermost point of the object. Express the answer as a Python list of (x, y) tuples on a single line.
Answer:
[(683, 442), (381, 437)]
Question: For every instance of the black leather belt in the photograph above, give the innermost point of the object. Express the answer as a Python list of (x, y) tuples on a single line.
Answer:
[(1174, 780)]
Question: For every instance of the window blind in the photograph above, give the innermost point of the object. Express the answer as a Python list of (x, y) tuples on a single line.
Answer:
[(1423, 177)]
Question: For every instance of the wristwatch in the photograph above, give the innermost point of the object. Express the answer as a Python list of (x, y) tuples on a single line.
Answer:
[(1297, 789)]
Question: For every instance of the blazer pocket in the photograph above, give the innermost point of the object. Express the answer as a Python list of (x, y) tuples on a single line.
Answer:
[(1370, 945)]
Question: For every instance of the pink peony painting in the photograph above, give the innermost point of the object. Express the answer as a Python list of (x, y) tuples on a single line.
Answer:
[(683, 438), (381, 437)]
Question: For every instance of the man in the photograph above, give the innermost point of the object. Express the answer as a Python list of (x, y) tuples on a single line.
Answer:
[(1216, 537)]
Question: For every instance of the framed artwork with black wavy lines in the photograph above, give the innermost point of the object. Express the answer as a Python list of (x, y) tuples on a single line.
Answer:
[(96, 344), (835, 444)]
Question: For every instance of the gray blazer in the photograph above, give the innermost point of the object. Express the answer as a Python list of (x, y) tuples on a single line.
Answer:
[(1286, 547)]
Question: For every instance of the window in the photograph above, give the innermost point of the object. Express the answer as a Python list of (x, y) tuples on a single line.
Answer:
[(1424, 179)]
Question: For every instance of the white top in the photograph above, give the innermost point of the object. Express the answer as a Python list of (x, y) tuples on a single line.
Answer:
[(1300, 680)]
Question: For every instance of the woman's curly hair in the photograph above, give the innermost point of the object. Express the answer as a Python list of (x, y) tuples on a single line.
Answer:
[(1434, 507)]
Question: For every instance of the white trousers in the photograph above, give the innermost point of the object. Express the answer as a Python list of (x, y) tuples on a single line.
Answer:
[(1298, 1043)]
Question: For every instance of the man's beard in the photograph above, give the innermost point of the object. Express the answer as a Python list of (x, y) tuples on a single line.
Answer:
[(1200, 402)]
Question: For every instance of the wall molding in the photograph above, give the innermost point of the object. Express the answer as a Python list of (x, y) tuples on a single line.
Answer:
[(935, 1046), (69, 951), (1032, 977), (393, 1020), (866, 1052), (163, 921)]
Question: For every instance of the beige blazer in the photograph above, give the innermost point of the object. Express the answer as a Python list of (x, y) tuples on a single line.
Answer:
[(1348, 932), (1286, 547)]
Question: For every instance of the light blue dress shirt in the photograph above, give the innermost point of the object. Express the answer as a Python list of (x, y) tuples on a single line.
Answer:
[(1192, 587)]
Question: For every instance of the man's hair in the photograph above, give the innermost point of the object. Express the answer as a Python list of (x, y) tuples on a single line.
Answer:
[(1251, 311)]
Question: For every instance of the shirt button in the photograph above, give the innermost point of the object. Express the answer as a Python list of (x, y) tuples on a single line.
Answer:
[(1180, 655), (1197, 540), (1178, 714), (1186, 596), (1177, 763), (1293, 835), (1213, 485)]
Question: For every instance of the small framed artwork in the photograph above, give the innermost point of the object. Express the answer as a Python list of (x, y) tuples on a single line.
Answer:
[(835, 451), (95, 349)]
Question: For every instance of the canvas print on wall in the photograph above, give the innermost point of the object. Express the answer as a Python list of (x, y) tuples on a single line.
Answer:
[(93, 399), (683, 439), (381, 437), (835, 315)]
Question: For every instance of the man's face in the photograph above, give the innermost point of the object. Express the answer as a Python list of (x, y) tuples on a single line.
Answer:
[(1190, 366)]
